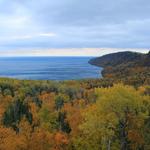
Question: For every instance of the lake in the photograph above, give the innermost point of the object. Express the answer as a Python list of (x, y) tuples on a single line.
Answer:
[(48, 68)]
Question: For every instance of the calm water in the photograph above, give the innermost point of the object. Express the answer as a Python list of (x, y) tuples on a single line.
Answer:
[(48, 68)]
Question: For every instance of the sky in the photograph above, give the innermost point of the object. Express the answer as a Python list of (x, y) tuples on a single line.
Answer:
[(73, 27)]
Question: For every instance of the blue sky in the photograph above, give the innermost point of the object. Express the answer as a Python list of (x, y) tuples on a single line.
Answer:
[(73, 27)]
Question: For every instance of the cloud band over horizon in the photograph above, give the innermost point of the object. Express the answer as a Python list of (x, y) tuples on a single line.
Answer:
[(67, 52)]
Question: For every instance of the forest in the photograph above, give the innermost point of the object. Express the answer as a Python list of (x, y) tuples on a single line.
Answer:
[(130, 67), (111, 113)]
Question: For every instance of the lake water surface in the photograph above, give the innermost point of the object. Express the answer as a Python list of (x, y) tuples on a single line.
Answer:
[(48, 68)]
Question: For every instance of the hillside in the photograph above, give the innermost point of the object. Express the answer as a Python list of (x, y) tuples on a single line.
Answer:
[(125, 66), (122, 58)]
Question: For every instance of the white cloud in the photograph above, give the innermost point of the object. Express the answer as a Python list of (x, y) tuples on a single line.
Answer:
[(27, 36), (47, 34), (66, 52)]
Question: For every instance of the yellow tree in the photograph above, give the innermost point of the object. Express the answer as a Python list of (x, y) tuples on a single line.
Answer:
[(115, 121)]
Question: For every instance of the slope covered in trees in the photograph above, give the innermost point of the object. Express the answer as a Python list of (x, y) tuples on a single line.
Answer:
[(126, 66), (121, 58)]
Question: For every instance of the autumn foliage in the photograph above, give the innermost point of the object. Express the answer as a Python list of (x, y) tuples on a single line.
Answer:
[(74, 115)]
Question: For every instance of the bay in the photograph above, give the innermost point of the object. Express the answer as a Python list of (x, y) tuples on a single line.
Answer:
[(48, 68)]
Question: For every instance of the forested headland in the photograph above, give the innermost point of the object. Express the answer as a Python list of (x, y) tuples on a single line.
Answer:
[(128, 67), (112, 113)]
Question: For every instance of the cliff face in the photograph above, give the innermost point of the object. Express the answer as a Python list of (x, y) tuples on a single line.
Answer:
[(125, 65)]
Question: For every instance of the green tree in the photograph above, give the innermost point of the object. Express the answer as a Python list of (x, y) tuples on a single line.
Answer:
[(60, 100), (63, 123), (48, 118), (15, 112)]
